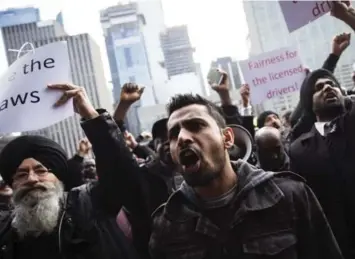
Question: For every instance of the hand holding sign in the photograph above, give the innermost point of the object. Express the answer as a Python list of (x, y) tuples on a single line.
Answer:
[(344, 12), (340, 43), (340, 9), (81, 102)]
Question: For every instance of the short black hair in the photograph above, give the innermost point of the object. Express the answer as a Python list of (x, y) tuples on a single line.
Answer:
[(182, 100)]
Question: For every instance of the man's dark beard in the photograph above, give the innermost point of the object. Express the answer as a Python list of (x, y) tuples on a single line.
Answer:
[(203, 177), (328, 112)]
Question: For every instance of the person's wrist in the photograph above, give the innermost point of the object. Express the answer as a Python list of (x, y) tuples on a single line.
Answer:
[(89, 114), (245, 103), (337, 52), (81, 154), (124, 104), (225, 97)]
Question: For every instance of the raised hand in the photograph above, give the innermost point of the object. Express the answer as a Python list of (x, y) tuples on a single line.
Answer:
[(131, 93), (81, 102), (340, 43)]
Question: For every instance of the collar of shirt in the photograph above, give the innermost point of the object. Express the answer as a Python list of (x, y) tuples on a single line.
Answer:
[(320, 127)]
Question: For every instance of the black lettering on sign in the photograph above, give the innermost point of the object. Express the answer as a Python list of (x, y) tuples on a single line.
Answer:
[(36, 65), (20, 99)]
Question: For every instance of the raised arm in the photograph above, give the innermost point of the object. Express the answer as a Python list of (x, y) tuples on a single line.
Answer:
[(117, 170)]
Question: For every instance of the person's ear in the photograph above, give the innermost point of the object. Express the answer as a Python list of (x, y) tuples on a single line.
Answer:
[(228, 137)]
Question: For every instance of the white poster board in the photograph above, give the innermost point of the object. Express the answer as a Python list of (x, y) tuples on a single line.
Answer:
[(273, 74), (25, 102), (300, 13)]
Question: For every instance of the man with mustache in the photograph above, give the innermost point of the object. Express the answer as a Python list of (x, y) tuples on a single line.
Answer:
[(47, 222), (324, 156), (232, 210)]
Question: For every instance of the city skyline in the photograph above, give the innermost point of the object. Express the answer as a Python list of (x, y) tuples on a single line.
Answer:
[(224, 19)]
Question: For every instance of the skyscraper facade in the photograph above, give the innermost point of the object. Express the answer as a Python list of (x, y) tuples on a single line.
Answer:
[(126, 49), (268, 31), (15, 36), (184, 75), (16, 16), (178, 52)]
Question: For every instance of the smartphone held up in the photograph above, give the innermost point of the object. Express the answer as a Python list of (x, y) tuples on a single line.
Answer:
[(215, 77)]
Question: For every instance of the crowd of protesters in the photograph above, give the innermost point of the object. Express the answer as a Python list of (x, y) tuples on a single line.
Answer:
[(192, 188)]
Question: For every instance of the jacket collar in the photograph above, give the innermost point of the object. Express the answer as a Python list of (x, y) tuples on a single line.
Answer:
[(258, 197)]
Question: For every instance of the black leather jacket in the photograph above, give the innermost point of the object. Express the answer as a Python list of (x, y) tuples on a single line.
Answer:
[(87, 226)]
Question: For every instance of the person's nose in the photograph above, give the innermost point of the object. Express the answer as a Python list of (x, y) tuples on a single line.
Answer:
[(184, 138), (32, 178), (327, 87)]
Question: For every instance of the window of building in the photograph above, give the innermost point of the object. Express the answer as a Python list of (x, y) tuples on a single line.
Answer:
[(132, 79), (128, 57)]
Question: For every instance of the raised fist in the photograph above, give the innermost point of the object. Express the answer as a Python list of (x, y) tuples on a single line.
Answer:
[(131, 93), (340, 43)]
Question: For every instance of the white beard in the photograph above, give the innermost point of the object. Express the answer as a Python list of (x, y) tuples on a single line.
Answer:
[(37, 211)]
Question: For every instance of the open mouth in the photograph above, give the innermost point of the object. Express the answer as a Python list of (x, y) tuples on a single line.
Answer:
[(330, 97), (189, 160)]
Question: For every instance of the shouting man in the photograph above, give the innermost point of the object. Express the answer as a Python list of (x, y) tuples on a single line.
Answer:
[(232, 210)]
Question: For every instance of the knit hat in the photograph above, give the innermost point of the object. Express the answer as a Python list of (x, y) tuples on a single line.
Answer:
[(159, 129), (44, 150), (262, 117)]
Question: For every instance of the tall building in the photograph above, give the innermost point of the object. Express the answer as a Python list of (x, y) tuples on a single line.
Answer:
[(178, 52), (155, 23), (126, 49), (15, 36), (232, 69), (268, 31), (184, 75), (87, 71), (16, 16)]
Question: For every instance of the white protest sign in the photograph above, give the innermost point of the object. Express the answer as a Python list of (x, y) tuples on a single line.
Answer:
[(25, 102), (299, 13), (273, 74)]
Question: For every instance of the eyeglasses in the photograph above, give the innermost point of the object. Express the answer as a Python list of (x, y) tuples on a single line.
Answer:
[(23, 174)]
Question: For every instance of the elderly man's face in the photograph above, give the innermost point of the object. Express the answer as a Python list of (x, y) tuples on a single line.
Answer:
[(37, 199), (31, 172)]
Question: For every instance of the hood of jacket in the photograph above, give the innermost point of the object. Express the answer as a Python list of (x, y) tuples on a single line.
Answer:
[(249, 177)]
